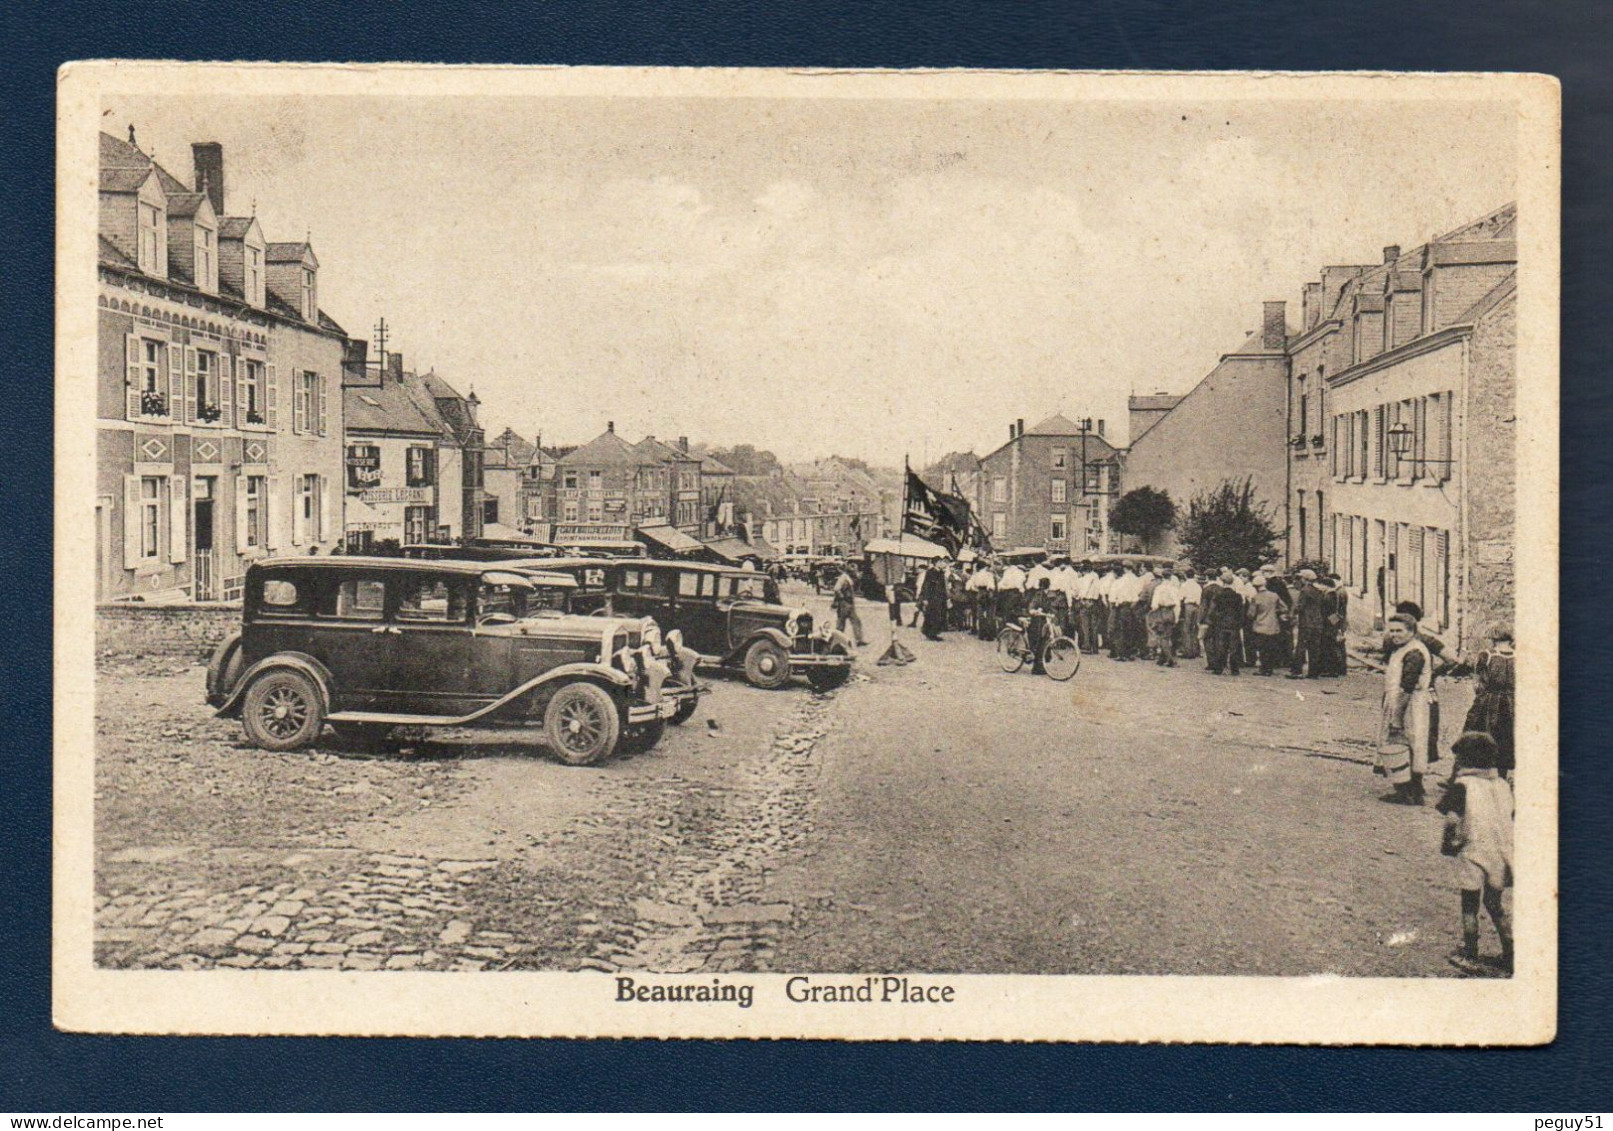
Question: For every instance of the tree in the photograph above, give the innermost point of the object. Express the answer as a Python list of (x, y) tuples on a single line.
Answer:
[(1226, 526), (1144, 512)]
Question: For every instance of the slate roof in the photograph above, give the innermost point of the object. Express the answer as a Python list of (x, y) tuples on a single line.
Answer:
[(384, 407), (284, 251), (605, 450), (117, 153), (185, 203), (110, 254), (1055, 425), (509, 450), (123, 179), (1489, 302), (234, 227), (712, 466)]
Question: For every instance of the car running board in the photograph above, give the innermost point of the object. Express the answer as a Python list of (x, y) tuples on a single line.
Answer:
[(400, 720)]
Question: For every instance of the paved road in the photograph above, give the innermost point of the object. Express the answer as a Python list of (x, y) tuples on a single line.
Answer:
[(938, 817)]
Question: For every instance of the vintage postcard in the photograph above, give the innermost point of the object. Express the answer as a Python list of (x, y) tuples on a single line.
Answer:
[(684, 553)]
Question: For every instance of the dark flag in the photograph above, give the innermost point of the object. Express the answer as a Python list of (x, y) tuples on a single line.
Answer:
[(935, 516), (714, 512), (978, 538)]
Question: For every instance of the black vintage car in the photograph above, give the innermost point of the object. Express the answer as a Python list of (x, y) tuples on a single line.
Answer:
[(732, 617), (367, 644)]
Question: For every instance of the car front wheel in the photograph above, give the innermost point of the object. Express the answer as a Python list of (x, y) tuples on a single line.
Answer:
[(582, 724), (767, 665), (282, 710)]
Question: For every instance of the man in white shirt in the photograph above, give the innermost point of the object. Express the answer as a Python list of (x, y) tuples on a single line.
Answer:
[(1187, 618), (1162, 619), (1083, 602), (982, 589)]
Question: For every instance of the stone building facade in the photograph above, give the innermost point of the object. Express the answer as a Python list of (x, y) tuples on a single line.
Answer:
[(219, 406), (1420, 435)]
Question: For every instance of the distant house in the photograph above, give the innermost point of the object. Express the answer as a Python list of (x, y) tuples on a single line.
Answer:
[(1050, 487), (391, 482), (506, 464)]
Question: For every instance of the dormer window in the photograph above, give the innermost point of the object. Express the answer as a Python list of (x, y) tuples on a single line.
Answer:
[(204, 258), (254, 275), (151, 237)]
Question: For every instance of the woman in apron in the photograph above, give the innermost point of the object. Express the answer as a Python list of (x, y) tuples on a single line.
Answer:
[(1403, 740)]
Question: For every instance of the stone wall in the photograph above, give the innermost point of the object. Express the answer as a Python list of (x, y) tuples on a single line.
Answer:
[(1491, 489), (177, 632)]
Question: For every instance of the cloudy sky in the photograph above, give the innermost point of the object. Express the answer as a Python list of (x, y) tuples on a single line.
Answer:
[(870, 278)]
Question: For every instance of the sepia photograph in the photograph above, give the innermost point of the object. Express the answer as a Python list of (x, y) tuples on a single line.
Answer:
[(751, 553)]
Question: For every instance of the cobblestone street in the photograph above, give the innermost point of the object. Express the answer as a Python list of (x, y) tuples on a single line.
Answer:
[(939, 817)]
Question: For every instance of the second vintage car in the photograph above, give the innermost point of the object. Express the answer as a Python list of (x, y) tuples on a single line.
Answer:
[(367, 644), (732, 617)]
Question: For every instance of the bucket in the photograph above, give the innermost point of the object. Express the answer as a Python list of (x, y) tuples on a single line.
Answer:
[(1394, 762)]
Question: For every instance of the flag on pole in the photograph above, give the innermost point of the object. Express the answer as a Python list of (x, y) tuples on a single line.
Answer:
[(935, 516)]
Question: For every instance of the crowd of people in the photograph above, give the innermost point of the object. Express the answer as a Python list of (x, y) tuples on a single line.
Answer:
[(1265, 620)]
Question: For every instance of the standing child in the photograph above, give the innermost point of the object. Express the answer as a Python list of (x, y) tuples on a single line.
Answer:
[(1478, 832)]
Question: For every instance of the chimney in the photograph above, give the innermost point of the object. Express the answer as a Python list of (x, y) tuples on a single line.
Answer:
[(1274, 325), (1311, 308), (1021, 426), (1010, 429), (1100, 427), (1391, 253), (683, 444), (207, 158), (610, 426), (394, 366)]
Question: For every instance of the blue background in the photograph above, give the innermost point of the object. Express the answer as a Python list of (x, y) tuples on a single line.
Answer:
[(41, 1070)]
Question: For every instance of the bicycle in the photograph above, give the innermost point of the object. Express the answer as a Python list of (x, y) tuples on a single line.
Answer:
[(1061, 657)]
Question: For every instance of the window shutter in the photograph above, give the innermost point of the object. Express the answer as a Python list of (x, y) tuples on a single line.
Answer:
[(1442, 576), (324, 403), (240, 391), (1377, 442), (327, 528), (240, 515), (298, 485), (299, 403), (271, 513), (131, 521), (271, 384), (178, 517), (190, 385), (132, 377), (176, 382), (1446, 436), (1419, 434)]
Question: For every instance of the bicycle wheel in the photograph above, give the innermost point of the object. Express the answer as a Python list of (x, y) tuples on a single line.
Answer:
[(1061, 659), (1011, 649)]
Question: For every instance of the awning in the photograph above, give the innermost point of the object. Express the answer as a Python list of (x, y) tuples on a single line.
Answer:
[(907, 547), (670, 539), (737, 550), (498, 532)]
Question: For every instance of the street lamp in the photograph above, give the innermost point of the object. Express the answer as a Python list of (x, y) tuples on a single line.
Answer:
[(1400, 439)]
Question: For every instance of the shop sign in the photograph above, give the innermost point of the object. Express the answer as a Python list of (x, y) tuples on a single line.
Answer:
[(377, 495), (363, 466)]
